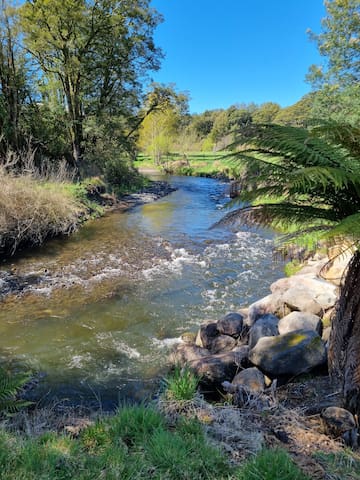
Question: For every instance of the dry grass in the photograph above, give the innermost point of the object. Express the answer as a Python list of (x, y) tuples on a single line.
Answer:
[(31, 210)]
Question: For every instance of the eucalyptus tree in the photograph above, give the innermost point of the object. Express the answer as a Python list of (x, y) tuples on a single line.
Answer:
[(99, 50)]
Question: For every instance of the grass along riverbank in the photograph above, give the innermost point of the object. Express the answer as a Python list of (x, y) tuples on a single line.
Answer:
[(211, 164)]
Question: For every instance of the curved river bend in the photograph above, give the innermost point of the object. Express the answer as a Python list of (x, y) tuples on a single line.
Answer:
[(100, 309)]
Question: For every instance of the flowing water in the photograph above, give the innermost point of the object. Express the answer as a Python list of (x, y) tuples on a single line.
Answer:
[(99, 311)]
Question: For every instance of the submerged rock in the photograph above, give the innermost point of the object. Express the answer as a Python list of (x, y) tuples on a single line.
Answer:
[(289, 354)]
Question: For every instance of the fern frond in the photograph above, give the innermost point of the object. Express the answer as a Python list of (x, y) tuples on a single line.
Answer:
[(10, 386)]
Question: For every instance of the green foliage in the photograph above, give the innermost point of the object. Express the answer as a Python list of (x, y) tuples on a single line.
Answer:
[(291, 268), (272, 464), (314, 177), (11, 385), (181, 384)]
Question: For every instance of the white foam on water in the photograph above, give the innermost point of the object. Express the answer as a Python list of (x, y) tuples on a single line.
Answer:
[(166, 342)]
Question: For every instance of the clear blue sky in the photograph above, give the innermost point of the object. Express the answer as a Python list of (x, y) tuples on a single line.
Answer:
[(224, 52)]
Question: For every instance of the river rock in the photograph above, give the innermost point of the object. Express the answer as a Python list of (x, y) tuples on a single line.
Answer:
[(338, 420), (231, 324), (222, 343), (265, 326), (289, 354), (185, 353), (300, 321), (306, 293), (214, 369), (251, 378), (206, 334), (270, 304)]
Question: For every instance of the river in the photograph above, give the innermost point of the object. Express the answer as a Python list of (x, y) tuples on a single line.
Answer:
[(99, 310)]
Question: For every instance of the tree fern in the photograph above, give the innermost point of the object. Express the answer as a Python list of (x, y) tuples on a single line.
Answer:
[(306, 184), (10, 386)]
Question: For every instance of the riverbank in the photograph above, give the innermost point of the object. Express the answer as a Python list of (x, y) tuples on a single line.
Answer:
[(269, 361), (35, 209)]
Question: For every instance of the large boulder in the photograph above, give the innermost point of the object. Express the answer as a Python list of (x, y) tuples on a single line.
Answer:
[(270, 304), (265, 326), (305, 292), (231, 324), (300, 321), (289, 354)]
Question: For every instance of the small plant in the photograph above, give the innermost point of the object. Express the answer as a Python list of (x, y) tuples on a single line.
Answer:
[(272, 464), (181, 384), (10, 386)]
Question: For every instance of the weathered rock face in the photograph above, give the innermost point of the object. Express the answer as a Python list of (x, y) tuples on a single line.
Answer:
[(300, 298), (300, 321), (231, 324), (289, 354), (265, 326), (206, 334), (251, 378)]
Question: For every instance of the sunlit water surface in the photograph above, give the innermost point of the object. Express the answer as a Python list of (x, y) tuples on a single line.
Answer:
[(106, 304)]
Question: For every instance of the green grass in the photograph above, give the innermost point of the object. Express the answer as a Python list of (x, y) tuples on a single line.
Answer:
[(341, 466), (200, 163), (181, 384), (136, 443), (274, 464)]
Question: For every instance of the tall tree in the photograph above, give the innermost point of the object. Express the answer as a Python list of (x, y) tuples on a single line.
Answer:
[(338, 79), (12, 78), (99, 51)]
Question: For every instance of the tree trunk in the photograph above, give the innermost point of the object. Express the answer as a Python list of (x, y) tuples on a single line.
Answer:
[(344, 349)]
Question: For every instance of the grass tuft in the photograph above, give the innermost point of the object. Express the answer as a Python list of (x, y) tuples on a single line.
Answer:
[(181, 384), (273, 464)]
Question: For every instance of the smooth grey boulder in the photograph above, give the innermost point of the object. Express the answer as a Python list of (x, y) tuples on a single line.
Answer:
[(251, 378), (270, 304), (231, 324), (302, 299), (265, 326), (222, 343), (206, 334), (289, 354), (300, 321)]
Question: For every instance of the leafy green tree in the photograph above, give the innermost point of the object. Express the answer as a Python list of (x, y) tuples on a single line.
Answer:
[(306, 183), (338, 79), (298, 114), (164, 118), (98, 51), (266, 112), (13, 88)]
